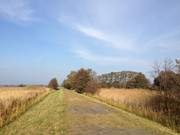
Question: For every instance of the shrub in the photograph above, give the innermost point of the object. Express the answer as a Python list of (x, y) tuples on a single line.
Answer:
[(53, 84), (91, 87)]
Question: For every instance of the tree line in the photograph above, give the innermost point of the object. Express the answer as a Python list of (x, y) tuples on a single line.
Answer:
[(166, 76)]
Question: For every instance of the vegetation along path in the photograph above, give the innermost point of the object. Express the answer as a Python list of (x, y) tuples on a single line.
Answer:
[(66, 112), (44, 118)]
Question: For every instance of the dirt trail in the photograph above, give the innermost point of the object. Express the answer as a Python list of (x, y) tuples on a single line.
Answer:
[(86, 116)]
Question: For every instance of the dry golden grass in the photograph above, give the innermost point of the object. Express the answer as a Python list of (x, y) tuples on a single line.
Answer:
[(15, 100), (130, 96), (150, 104)]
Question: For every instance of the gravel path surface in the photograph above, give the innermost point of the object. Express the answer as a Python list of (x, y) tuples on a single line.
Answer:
[(87, 116)]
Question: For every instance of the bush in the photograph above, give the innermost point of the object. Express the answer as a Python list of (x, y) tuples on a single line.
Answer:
[(53, 84), (139, 81), (82, 78), (91, 87)]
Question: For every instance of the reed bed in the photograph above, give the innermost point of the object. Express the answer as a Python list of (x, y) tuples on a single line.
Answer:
[(16, 100), (153, 105)]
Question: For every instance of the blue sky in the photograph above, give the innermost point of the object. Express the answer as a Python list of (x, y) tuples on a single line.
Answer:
[(44, 39)]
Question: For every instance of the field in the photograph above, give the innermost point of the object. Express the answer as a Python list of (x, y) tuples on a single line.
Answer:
[(15, 100), (65, 112), (150, 104)]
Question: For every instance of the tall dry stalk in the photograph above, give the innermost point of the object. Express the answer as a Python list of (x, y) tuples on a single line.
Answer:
[(15, 100), (150, 104)]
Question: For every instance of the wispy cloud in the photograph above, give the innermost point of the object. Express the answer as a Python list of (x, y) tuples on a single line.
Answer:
[(123, 26), (111, 40), (92, 32), (112, 60), (16, 10), (116, 41)]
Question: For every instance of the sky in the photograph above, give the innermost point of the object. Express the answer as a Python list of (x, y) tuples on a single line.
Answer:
[(41, 39)]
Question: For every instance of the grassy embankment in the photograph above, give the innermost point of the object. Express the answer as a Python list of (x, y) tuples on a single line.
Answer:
[(16, 100), (45, 118), (146, 103)]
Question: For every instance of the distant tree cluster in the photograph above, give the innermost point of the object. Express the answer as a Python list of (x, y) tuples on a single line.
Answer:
[(21, 85), (124, 79), (83, 80), (139, 81)]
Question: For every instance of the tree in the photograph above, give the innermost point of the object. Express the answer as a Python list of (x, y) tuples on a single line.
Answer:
[(53, 84), (81, 80), (168, 65), (156, 69), (165, 75), (78, 80), (139, 81), (69, 83), (167, 80)]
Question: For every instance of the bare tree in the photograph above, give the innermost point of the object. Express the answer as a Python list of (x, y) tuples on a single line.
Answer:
[(156, 69), (168, 65), (161, 72)]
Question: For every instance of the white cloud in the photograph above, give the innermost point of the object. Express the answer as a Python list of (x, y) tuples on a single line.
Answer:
[(114, 41), (112, 60), (92, 32), (16, 10)]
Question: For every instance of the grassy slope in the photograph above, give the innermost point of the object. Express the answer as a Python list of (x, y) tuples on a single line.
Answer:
[(44, 118)]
